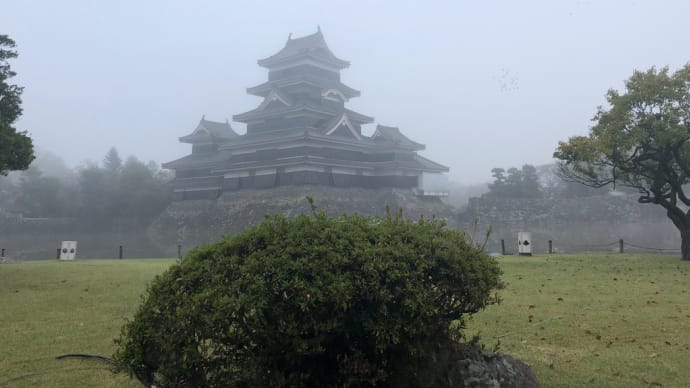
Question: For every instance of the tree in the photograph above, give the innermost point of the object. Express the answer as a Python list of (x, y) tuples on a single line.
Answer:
[(8, 192), (16, 148), (122, 190), (112, 162), (41, 196), (529, 184), (51, 164), (519, 183), (498, 187), (141, 194), (96, 190), (514, 180), (641, 141), (312, 302), (553, 186)]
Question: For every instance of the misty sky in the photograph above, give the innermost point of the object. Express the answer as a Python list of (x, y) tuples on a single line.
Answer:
[(482, 83)]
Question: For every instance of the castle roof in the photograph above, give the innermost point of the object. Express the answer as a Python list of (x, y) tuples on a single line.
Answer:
[(229, 159), (395, 137), (417, 163), (207, 160), (210, 132), (261, 113), (307, 47), (265, 88)]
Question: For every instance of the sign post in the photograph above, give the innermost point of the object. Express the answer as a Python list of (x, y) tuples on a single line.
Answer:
[(68, 250), (525, 243)]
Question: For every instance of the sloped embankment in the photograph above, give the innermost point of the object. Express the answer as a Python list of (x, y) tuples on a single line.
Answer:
[(190, 223)]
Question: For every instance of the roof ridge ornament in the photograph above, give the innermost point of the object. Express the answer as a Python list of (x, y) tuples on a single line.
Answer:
[(289, 36)]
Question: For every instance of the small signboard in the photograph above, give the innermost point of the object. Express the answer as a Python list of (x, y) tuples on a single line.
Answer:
[(525, 243), (68, 250)]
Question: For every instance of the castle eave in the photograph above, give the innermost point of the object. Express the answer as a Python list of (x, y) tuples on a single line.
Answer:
[(265, 88)]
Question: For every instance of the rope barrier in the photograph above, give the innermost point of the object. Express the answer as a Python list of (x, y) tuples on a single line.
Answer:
[(651, 248), (594, 245), (617, 244)]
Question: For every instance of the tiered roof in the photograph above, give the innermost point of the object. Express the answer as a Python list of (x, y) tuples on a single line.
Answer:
[(393, 137), (210, 132), (316, 92), (302, 124), (308, 47), (303, 79), (303, 107)]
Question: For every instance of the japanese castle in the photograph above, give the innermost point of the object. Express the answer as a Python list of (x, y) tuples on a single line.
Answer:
[(302, 134)]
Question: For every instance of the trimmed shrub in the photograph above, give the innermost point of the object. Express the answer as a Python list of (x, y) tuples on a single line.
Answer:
[(310, 301)]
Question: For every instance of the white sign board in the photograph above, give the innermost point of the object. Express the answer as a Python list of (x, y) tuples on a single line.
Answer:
[(525, 243), (68, 250)]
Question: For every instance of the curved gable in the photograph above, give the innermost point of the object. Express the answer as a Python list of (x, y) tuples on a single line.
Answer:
[(334, 95), (343, 126), (272, 97)]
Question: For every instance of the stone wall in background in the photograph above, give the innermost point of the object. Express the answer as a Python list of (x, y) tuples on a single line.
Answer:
[(592, 224), (38, 238)]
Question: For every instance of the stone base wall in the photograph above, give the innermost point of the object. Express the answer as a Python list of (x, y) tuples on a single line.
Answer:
[(190, 223), (592, 224), (218, 185)]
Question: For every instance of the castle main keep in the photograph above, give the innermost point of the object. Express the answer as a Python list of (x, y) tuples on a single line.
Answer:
[(302, 133)]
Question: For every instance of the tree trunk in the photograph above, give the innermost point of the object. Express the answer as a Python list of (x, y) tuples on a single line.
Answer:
[(685, 243), (682, 222)]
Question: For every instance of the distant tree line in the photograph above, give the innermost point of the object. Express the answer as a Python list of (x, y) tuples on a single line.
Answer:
[(515, 183), (112, 189), (527, 182), (535, 182)]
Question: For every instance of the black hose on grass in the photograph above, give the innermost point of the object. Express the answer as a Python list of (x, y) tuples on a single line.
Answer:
[(102, 359)]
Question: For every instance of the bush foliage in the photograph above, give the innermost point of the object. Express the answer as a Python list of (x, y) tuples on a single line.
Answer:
[(310, 301)]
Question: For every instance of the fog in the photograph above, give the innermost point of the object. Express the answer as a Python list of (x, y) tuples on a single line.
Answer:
[(482, 83)]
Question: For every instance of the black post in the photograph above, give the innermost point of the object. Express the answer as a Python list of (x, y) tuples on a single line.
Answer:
[(503, 247), (120, 251), (550, 246), (620, 246), (179, 251), (58, 253), (2, 252)]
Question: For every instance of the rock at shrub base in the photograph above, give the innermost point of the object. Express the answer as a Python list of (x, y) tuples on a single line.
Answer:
[(483, 368)]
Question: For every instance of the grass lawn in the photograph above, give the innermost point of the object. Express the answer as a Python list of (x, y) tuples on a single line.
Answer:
[(577, 320), (49, 308), (615, 320)]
